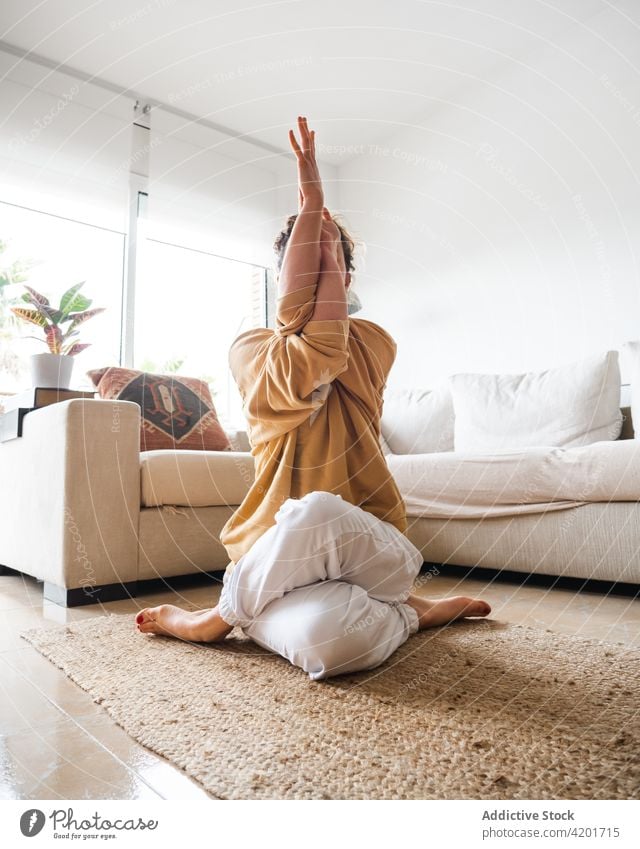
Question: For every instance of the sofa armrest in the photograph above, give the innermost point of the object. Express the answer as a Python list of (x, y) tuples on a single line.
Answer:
[(70, 494)]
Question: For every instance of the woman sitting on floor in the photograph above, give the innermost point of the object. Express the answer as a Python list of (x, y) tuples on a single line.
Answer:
[(321, 569)]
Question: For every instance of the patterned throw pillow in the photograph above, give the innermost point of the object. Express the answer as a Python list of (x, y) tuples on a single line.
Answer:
[(177, 412)]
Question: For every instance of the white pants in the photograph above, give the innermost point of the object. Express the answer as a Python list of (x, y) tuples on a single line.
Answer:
[(325, 587)]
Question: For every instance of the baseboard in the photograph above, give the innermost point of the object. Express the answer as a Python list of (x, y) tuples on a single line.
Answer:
[(80, 596), (177, 582), (103, 593), (591, 585)]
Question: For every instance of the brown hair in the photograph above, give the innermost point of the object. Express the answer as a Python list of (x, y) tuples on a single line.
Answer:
[(348, 243)]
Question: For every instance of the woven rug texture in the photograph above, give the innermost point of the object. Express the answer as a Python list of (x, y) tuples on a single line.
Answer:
[(476, 710)]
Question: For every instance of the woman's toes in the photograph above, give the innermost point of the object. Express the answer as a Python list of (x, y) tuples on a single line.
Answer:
[(147, 617), (479, 608), (142, 617)]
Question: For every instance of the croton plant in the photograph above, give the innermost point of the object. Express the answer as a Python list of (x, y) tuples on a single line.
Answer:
[(59, 323)]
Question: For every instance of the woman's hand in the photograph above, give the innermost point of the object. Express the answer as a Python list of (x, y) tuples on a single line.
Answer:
[(310, 193), (331, 294), (329, 229)]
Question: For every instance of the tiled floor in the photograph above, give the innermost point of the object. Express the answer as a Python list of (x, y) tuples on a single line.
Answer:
[(57, 744)]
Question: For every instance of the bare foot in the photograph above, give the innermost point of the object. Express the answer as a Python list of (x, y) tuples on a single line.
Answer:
[(198, 626), (440, 612)]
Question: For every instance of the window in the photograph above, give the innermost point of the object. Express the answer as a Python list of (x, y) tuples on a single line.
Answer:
[(190, 305), (57, 253), (69, 154)]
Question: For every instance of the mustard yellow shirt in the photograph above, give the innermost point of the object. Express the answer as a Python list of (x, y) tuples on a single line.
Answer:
[(312, 395)]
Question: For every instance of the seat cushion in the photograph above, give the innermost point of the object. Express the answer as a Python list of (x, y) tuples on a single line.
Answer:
[(507, 483), (195, 478)]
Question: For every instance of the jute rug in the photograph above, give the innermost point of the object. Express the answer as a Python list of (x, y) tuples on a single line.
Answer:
[(476, 710)]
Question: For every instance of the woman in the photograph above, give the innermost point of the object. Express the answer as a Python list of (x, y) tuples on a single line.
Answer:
[(321, 570)]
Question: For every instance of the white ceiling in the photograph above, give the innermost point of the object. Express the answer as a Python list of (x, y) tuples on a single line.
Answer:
[(359, 69)]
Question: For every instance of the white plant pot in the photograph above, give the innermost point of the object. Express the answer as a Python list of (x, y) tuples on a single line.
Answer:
[(51, 370)]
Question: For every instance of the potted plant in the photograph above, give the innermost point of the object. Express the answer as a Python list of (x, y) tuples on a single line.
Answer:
[(60, 331)]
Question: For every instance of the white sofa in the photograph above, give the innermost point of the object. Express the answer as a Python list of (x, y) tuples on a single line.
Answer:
[(82, 510)]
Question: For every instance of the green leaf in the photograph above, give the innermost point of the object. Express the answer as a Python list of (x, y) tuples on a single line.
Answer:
[(29, 299), (79, 304), (14, 274), (54, 338), (66, 301), (36, 297), (81, 317), (52, 314), (31, 316)]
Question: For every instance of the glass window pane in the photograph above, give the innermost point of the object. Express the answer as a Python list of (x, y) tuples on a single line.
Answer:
[(58, 253), (190, 306)]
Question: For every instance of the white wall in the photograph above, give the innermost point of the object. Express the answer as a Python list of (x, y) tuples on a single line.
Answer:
[(502, 228)]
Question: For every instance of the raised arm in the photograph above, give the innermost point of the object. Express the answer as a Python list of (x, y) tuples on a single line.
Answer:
[(283, 376), (331, 294), (301, 263)]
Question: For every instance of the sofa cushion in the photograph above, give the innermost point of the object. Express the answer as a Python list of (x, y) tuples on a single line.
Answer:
[(508, 483), (195, 478), (418, 421), (177, 412), (572, 405)]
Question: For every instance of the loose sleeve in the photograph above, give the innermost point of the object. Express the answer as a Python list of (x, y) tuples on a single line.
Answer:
[(282, 376), (294, 310), (372, 353), (304, 354)]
